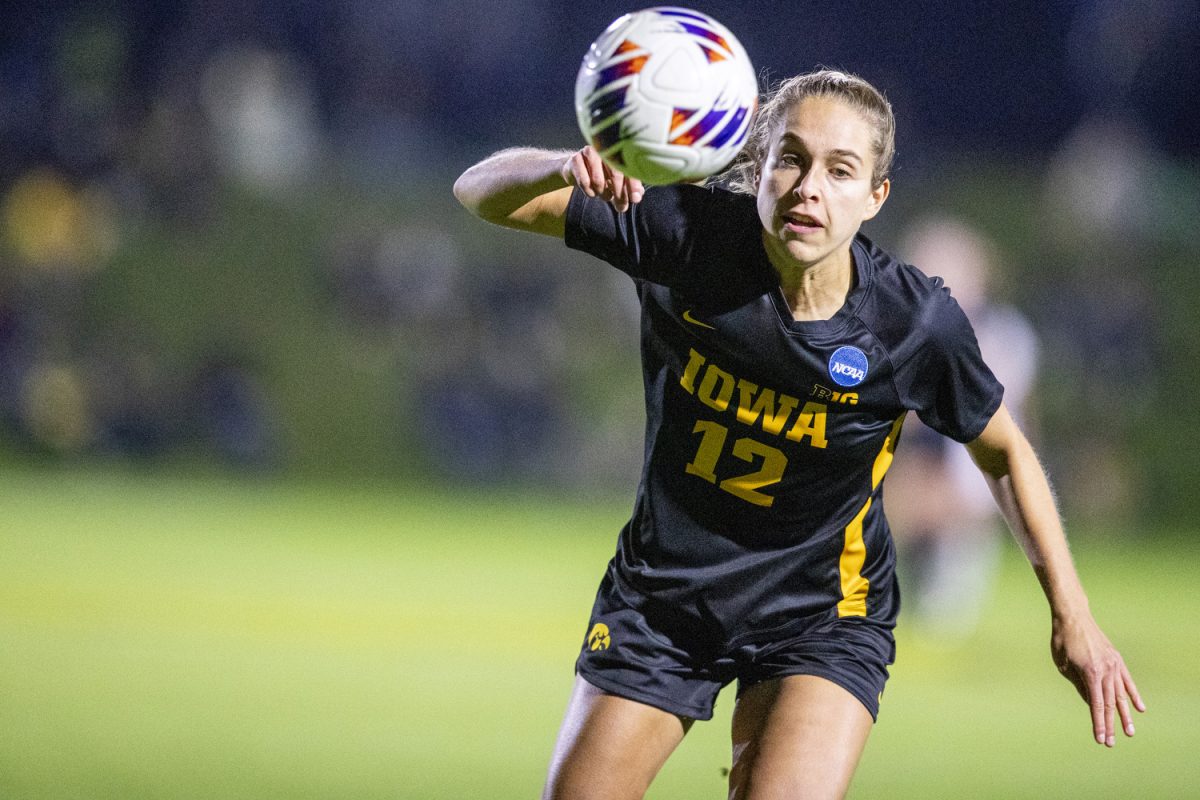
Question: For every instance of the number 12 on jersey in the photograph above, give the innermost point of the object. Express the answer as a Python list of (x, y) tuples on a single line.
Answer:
[(746, 486)]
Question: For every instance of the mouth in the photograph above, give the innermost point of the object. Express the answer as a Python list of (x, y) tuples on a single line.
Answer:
[(801, 223)]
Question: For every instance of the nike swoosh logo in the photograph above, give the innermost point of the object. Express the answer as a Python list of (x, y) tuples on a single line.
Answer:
[(687, 317)]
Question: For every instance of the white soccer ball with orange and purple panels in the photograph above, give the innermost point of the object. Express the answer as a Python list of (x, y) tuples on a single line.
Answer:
[(666, 95)]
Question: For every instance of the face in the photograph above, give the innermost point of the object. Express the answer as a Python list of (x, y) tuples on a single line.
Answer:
[(814, 185)]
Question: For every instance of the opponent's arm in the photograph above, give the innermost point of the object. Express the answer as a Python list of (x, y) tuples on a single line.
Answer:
[(528, 189), (1080, 649)]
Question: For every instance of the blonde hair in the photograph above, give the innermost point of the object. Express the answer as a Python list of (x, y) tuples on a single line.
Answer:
[(850, 89)]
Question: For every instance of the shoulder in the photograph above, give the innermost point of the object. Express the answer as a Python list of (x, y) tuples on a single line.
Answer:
[(900, 296), (711, 203), (912, 315), (682, 235), (673, 212)]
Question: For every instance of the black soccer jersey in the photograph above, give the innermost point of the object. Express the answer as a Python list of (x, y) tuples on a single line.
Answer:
[(767, 439)]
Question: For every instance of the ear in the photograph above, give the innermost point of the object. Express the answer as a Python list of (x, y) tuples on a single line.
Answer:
[(878, 196)]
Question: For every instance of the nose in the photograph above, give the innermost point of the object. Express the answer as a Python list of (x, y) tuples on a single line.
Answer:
[(808, 186)]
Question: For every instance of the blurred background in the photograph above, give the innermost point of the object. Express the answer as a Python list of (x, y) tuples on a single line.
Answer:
[(228, 248), (228, 236)]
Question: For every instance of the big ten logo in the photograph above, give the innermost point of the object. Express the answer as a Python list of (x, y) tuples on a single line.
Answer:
[(828, 395)]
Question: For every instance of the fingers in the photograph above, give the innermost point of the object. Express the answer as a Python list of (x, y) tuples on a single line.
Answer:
[(1109, 693), (1123, 710), (587, 172), (1126, 690), (1088, 660), (635, 189), (1110, 707), (616, 190), (1131, 688), (590, 173), (1096, 702)]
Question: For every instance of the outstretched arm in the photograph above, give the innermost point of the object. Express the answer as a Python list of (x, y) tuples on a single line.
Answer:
[(528, 189), (1080, 649)]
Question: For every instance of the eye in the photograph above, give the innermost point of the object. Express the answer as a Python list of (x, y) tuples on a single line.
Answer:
[(841, 172), (789, 160)]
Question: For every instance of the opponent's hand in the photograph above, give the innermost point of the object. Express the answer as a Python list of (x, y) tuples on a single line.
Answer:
[(1088, 660), (588, 171)]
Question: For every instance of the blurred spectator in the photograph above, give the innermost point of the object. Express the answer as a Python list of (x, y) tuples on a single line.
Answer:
[(55, 409), (132, 394), (53, 228), (944, 519), (491, 402), (262, 114), (1105, 206), (405, 276), (16, 359), (230, 415)]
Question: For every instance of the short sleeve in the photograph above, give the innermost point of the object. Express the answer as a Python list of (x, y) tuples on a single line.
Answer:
[(946, 380), (653, 240)]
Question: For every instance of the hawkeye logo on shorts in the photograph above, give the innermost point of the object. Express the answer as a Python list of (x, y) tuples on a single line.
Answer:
[(848, 366), (599, 639)]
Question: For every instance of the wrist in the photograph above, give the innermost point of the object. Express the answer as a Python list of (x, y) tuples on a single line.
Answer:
[(1063, 592), (565, 171), (1070, 612)]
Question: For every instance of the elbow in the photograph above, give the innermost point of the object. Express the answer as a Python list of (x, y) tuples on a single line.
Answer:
[(471, 192), (992, 461), (463, 193), (998, 446)]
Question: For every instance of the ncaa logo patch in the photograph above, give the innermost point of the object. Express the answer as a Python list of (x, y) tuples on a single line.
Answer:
[(848, 366)]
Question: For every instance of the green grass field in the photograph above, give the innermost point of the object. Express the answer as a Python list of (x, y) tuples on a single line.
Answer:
[(173, 638)]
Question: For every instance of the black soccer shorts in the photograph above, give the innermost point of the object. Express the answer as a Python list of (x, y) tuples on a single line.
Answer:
[(653, 655)]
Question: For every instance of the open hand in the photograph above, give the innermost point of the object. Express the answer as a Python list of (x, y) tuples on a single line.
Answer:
[(1088, 660)]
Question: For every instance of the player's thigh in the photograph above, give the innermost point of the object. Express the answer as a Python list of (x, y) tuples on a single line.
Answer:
[(610, 747), (797, 737)]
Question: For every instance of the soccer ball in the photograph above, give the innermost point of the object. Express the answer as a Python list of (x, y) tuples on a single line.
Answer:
[(666, 95)]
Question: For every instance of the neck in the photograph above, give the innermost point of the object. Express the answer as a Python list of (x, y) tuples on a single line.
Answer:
[(817, 291)]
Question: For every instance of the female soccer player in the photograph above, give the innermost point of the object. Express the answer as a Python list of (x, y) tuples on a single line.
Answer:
[(781, 351)]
